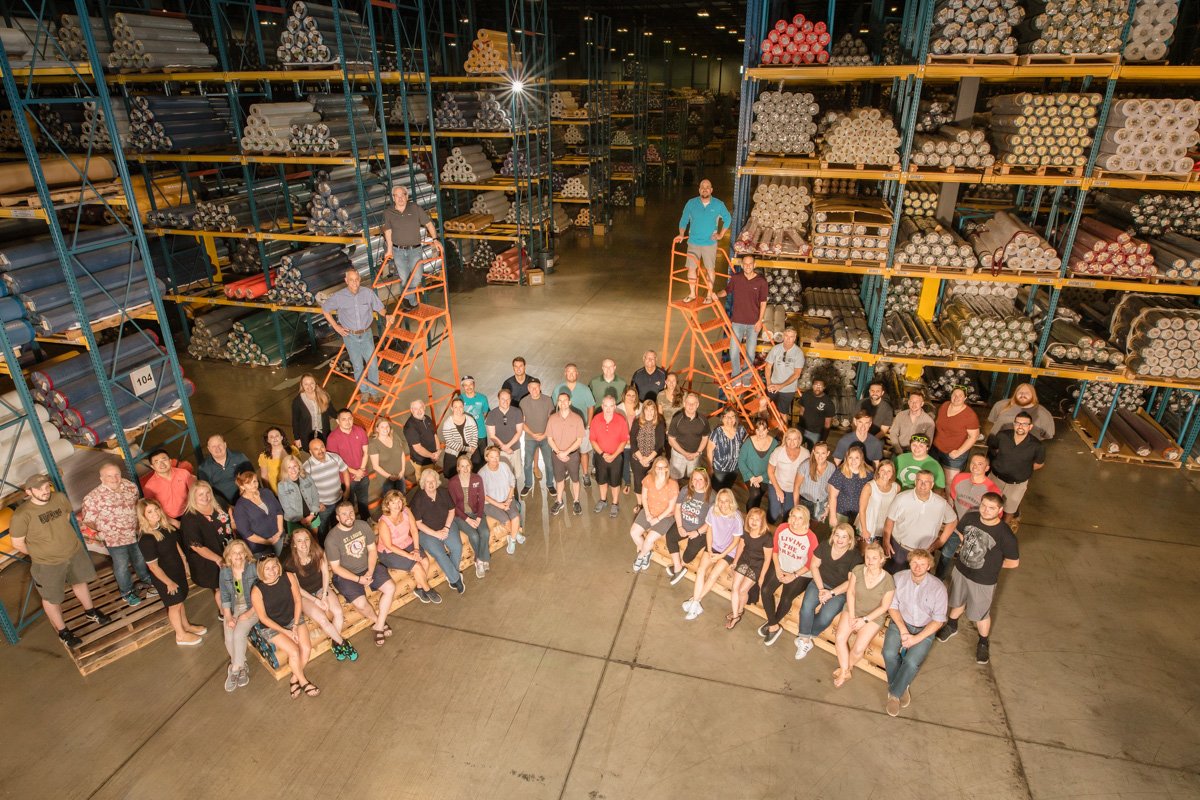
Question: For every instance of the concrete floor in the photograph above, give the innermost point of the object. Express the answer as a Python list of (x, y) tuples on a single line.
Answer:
[(565, 675)]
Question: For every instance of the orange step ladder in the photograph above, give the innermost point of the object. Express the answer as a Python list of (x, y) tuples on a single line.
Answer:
[(410, 351), (697, 355)]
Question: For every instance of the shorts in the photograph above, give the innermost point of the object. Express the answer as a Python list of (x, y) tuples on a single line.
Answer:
[(396, 561), (747, 570), (565, 469), (975, 596), (950, 462), (608, 473), (681, 468), (585, 446), (1013, 494), (662, 527), (500, 515), (271, 633), (706, 253), (353, 591), (51, 580)]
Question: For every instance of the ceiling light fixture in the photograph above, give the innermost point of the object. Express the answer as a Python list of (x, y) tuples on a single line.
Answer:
[(702, 13), (720, 27)]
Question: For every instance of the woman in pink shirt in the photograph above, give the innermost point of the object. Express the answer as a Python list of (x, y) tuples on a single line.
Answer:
[(397, 547)]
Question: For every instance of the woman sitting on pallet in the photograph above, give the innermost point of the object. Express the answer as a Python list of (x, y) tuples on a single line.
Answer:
[(395, 538), (275, 597), (308, 563), (723, 545), (868, 599)]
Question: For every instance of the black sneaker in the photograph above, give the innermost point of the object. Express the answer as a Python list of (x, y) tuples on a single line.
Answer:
[(525, 492), (762, 630), (460, 587), (422, 595), (557, 507), (981, 652), (587, 480), (676, 577), (946, 631), (773, 636), (552, 490), (97, 616), (434, 597), (577, 508), (69, 638)]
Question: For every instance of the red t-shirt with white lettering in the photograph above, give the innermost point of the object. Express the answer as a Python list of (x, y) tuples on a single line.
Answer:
[(795, 549)]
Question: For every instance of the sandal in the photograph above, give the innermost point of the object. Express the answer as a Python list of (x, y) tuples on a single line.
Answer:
[(380, 638), (387, 630), (689, 298), (731, 621), (294, 688), (310, 689), (841, 677)]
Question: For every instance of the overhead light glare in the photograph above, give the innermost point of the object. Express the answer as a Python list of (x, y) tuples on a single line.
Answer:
[(720, 27), (702, 13)]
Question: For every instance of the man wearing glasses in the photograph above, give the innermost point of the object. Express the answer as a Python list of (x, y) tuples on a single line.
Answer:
[(1015, 455)]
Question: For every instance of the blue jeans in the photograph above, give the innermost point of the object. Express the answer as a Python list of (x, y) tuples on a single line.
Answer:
[(903, 664), (946, 560), (447, 554), (777, 512), (532, 447), (478, 537), (123, 558), (812, 437), (746, 334), (360, 347), (812, 621), (405, 260)]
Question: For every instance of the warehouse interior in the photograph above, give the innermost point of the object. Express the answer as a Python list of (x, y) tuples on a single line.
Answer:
[(938, 194)]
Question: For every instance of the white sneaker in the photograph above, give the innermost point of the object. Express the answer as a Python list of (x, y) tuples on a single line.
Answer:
[(695, 611), (520, 539), (802, 647), (511, 547), (687, 604), (637, 564)]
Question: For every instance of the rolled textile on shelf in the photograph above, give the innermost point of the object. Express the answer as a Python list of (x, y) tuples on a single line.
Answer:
[(133, 415), (12, 400), (117, 356), (1109, 446), (18, 176), (1160, 445), (60, 450)]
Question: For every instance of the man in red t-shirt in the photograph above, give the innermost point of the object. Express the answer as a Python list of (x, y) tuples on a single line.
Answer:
[(349, 442), (609, 433), (749, 290)]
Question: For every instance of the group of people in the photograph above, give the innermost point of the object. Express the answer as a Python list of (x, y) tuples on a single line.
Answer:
[(275, 537)]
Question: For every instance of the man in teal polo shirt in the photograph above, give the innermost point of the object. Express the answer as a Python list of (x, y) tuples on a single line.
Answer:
[(708, 219)]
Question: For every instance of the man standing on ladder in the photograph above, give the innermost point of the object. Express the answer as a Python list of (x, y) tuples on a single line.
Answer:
[(708, 219), (402, 225), (355, 307)]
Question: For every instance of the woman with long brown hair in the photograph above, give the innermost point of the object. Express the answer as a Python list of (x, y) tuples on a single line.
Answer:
[(312, 412), (307, 562), (648, 439)]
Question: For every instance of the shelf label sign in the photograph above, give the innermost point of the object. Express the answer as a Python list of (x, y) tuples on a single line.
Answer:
[(142, 379)]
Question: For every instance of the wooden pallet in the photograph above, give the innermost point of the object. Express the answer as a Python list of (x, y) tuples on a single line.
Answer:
[(355, 622), (131, 628), (933, 172), (1045, 170), (1102, 175), (859, 167), (1090, 435), (872, 661), (973, 58), (1036, 59), (935, 270), (89, 194)]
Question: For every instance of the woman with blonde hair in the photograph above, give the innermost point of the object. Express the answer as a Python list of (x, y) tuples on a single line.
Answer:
[(783, 475), (204, 530), (868, 598), (159, 543), (723, 544), (814, 483), (385, 452), (875, 500), (396, 543), (307, 562), (238, 575), (748, 570), (825, 597), (1024, 398), (276, 601), (846, 486), (312, 414), (657, 515), (298, 496)]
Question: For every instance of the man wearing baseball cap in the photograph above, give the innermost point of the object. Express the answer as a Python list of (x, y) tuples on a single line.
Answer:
[(41, 529)]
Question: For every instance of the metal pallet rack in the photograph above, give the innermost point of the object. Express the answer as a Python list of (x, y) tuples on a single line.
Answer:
[(242, 77), (1060, 198), (656, 109), (632, 111), (32, 92), (452, 27)]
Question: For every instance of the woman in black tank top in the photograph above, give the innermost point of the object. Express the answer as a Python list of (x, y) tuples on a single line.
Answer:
[(276, 600)]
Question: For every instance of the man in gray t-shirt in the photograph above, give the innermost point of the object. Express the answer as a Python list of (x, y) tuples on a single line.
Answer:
[(402, 225), (785, 362), (504, 428), (537, 408), (354, 562)]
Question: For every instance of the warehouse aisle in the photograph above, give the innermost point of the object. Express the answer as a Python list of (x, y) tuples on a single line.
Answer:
[(564, 674)]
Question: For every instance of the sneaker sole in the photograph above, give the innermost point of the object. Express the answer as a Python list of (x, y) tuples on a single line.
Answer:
[(949, 636)]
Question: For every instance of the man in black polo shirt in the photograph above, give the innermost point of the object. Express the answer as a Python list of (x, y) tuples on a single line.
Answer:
[(422, 440), (687, 434), (1015, 455), (649, 378), (504, 430), (818, 412), (402, 225)]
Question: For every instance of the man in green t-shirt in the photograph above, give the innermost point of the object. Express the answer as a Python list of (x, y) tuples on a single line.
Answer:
[(41, 529), (916, 459), (608, 382)]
